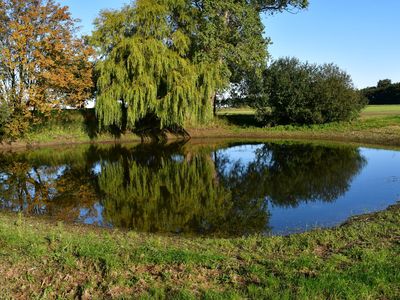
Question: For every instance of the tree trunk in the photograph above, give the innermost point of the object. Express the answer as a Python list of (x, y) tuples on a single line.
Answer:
[(214, 103)]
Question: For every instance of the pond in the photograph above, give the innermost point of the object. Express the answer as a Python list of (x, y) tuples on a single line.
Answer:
[(223, 189)]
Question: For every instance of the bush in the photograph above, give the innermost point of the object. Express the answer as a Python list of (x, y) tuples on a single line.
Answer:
[(302, 93)]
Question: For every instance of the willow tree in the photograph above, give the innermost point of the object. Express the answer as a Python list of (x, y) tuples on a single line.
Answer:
[(170, 58), (147, 70)]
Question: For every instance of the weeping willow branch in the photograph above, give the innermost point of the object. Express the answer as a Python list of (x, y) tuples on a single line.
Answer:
[(149, 72)]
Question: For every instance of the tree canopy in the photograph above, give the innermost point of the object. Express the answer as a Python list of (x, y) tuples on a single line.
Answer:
[(169, 59), (43, 65), (303, 93), (385, 92), (147, 71)]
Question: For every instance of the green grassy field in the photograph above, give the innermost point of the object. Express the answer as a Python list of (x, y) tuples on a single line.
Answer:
[(236, 111), (41, 260), (380, 110)]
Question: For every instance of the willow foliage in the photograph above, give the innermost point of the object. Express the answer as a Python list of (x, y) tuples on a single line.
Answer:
[(146, 68), (178, 196)]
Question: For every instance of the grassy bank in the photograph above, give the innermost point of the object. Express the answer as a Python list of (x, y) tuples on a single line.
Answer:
[(376, 125), (359, 260), (378, 130)]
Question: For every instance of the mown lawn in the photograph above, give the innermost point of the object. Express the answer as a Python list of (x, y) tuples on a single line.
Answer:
[(380, 110), (41, 260), (236, 111)]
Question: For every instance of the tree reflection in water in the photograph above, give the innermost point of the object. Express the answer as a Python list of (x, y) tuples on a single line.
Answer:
[(290, 173), (174, 188), (57, 184)]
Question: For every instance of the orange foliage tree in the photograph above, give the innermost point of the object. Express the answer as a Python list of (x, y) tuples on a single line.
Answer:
[(43, 64)]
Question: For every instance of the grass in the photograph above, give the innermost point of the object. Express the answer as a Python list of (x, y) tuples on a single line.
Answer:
[(71, 126), (236, 111), (380, 110), (41, 260), (375, 131), (383, 108)]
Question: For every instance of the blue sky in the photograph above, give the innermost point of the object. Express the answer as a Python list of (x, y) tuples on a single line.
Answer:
[(362, 37)]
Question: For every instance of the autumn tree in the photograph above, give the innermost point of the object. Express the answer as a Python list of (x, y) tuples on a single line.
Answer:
[(43, 64), (169, 59)]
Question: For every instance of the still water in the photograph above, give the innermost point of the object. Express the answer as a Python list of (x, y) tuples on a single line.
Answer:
[(229, 189)]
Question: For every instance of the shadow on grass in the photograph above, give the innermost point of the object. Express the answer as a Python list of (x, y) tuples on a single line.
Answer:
[(241, 120), (148, 129), (90, 122), (85, 121), (92, 129)]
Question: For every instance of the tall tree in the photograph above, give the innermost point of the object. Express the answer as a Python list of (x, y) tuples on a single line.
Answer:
[(43, 65), (232, 32), (170, 58), (147, 68)]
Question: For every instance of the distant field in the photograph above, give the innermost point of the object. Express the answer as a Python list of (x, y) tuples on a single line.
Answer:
[(236, 111), (368, 112), (380, 110)]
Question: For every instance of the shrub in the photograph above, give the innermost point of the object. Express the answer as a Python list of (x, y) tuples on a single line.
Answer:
[(302, 93), (4, 118)]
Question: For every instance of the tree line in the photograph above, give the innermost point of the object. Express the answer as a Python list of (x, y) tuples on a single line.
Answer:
[(163, 61), (385, 92)]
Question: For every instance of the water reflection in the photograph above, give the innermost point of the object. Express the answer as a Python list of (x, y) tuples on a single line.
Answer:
[(290, 173), (48, 183), (159, 193), (175, 188)]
